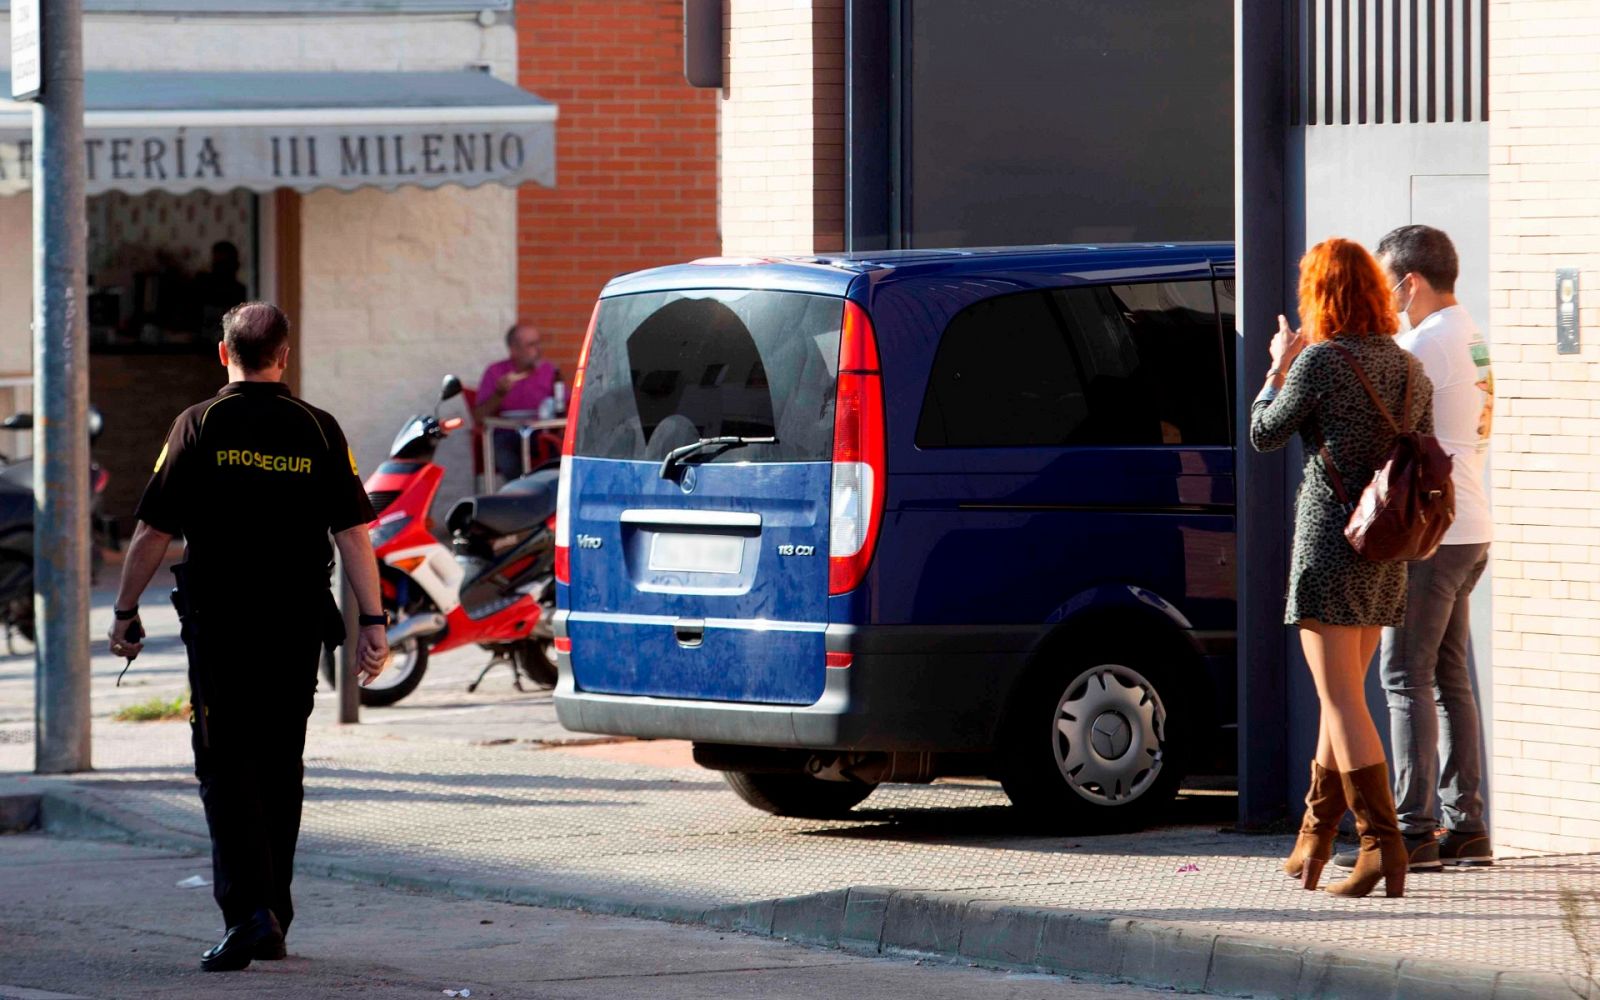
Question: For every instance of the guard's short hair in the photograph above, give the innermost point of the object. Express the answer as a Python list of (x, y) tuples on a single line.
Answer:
[(255, 332), (1422, 250)]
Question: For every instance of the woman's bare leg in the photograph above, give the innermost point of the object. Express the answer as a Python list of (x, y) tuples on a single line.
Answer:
[(1371, 639), (1334, 654), (1325, 755)]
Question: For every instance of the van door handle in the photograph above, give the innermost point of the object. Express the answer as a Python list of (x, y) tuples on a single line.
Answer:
[(690, 632)]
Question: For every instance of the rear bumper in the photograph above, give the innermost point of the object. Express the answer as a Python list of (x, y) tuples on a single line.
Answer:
[(907, 688)]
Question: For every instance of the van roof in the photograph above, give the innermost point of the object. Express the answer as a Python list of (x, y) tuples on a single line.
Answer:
[(833, 273)]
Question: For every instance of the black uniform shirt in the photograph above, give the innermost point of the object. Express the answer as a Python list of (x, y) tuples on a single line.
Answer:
[(254, 480)]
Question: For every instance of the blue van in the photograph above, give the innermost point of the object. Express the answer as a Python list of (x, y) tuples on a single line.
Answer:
[(844, 520)]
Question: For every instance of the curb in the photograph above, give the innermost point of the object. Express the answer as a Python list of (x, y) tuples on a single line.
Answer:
[(909, 923)]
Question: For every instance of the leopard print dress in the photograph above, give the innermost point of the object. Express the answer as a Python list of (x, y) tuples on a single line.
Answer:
[(1323, 400)]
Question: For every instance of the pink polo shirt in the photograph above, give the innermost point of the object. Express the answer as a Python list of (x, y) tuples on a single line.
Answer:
[(525, 395)]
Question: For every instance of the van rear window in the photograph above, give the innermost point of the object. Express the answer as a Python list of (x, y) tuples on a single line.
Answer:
[(669, 368)]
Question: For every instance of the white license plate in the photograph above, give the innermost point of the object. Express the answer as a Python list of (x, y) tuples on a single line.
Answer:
[(680, 553)]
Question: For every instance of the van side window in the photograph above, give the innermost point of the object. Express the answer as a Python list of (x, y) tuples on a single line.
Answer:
[(1003, 376), (1109, 365)]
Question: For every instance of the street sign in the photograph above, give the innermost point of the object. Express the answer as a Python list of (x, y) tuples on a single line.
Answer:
[(27, 76)]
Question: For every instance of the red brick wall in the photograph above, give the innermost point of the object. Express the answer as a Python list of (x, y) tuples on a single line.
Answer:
[(636, 157)]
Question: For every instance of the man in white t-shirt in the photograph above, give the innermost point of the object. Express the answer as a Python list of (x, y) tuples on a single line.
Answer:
[(1424, 666)]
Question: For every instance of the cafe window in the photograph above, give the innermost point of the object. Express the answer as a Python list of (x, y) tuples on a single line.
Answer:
[(164, 268)]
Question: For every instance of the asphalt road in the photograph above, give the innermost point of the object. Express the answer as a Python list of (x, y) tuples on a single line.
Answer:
[(84, 919)]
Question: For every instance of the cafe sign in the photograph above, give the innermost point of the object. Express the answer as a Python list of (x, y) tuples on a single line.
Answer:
[(260, 155)]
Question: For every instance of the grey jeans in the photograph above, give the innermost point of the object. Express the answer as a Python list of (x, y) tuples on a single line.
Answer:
[(1433, 716)]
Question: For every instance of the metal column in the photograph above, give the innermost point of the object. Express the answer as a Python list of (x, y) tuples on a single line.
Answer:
[(869, 109), (61, 384), (348, 683), (1261, 116)]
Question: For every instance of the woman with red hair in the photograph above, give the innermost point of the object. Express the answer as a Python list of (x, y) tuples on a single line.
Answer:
[(1340, 600)]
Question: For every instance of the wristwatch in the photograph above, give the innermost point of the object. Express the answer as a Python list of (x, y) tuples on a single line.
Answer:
[(126, 616), (368, 620)]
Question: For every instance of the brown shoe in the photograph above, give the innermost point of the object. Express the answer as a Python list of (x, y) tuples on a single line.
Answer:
[(1383, 850), (1325, 806)]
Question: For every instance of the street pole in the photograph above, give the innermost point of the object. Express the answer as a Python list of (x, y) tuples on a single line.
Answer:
[(61, 398), (1261, 115), (348, 685)]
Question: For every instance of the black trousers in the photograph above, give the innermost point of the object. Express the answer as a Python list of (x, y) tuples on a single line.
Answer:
[(257, 691)]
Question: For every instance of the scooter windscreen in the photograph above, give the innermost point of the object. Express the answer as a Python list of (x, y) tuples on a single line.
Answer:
[(416, 439)]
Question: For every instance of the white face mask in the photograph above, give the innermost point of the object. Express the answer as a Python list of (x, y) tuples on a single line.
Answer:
[(1405, 310)]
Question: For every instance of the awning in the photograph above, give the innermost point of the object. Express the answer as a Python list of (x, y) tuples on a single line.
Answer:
[(219, 131)]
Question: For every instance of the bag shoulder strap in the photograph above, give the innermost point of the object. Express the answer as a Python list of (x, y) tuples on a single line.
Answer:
[(1405, 411), (1335, 477)]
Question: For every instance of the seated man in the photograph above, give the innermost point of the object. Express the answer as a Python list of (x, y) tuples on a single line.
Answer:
[(514, 388)]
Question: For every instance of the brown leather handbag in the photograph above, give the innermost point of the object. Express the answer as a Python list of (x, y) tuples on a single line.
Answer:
[(1411, 502)]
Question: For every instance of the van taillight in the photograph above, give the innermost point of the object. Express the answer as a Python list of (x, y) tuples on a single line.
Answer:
[(858, 454), (568, 447)]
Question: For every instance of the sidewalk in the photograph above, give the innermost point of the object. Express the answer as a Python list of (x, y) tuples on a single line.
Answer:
[(635, 829), (354, 941)]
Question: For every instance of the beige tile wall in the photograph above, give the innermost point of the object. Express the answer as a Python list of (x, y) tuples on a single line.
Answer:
[(782, 124), (397, 289), (1545, 214)]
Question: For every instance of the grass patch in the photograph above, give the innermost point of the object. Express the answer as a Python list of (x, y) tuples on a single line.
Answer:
[(156, 710)]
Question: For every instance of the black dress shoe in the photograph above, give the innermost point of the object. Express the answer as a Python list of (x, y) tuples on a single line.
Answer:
[(239, 945), (271, 948)]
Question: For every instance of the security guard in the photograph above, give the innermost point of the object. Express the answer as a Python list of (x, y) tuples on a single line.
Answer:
[(255, 481)]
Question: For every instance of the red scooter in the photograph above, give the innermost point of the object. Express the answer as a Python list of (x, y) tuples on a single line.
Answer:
[(493, 586)]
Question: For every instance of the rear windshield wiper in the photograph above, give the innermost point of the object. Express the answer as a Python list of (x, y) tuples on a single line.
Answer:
[(676, 456)]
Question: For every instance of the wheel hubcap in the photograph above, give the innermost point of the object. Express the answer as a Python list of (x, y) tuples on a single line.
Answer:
[(1109, 729), (1111, 735)]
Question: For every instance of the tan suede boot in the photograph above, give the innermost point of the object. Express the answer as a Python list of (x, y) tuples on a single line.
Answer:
[(1313, 849), (1383, 849)]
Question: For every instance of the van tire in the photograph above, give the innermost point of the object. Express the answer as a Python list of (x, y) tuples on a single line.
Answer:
[(1037, 753), (797, 795)]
